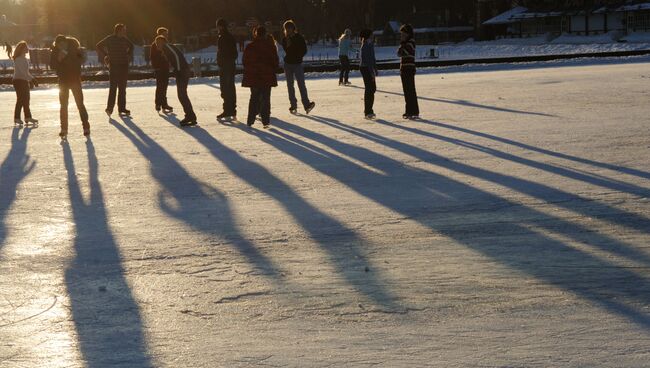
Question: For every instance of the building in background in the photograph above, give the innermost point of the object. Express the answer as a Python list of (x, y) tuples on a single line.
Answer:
[(576, 17)]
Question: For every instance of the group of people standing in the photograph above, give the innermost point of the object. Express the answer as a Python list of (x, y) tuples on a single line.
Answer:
[(260, 62)]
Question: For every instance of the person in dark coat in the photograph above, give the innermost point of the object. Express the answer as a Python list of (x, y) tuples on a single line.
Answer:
[(368, 68), (227, 60), (116, 51), (182, 72), (406, 52), (295, 49), (161, 72), (260, 66), (67, 58)]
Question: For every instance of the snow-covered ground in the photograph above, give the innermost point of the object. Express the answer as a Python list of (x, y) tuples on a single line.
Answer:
[(508, 228)]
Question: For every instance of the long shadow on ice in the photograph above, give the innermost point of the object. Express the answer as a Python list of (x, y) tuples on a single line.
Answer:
[(604, 165), (569, 201), (343, 245), (198, 205), (508, 232), (467, 104), (106, 315), (15, 167)]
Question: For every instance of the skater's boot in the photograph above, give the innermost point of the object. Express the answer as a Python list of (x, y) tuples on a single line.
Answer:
[(158, 108), (86, 127), (18, 122), (31, 120), (64, 131), (293, 110), (125, 112), (167, 109), (109, 112), (310, 107)]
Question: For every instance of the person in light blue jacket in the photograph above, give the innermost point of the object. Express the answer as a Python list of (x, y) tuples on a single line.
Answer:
[(345, 47)]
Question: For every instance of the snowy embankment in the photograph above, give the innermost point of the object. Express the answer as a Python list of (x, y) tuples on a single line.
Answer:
[(510, 47)]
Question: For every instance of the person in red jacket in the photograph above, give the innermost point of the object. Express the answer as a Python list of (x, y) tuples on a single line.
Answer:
[(161, 72), (260, 66)]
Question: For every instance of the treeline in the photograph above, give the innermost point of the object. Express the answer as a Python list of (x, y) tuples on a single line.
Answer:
[(90, 20)]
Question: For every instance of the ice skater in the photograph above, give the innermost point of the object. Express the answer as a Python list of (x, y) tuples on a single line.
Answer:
[(23, 80), (161, 72), (260, 65), (295, 49), (368, 68), (67, 58), (182, 73), (227, 55), (116, 51), (345, 47), (406, 52)]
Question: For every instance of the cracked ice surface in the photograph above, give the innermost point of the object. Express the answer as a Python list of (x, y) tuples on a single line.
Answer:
[(510, 227)]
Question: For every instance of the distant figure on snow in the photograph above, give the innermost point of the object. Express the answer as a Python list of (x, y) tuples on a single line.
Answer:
[(406, 52), (295, 49), (8, 50), (116, 51), (368, 68), (227, 60), (161, 72), (182, 73), (260, 66)]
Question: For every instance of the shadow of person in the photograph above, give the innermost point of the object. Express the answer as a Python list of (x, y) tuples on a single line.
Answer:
[(564, 156), (509, 232), (105, 313), (196, 204), (16, 166), (466, 103), (344, 247), (586, 177)]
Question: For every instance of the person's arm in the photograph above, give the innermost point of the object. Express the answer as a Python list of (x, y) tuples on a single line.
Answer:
[(234, 53), (303, 46), (130, 50)]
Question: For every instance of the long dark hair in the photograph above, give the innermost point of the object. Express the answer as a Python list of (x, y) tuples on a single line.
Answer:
[(20, 50)]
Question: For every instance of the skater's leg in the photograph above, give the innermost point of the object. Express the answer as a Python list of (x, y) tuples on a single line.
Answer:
[(346, 69), (254, 105), (20, 94), (289, 72), (78, 95), (342, 73), (370, 88), (64, 95), (300, 79), (112, 90), (410, 95), (228, 91), (265, 105), (122, 81), (26, 100), (160, 82), (182, 80)]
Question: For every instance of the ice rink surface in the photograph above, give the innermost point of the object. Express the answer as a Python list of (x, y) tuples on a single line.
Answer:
[(510, 227)]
